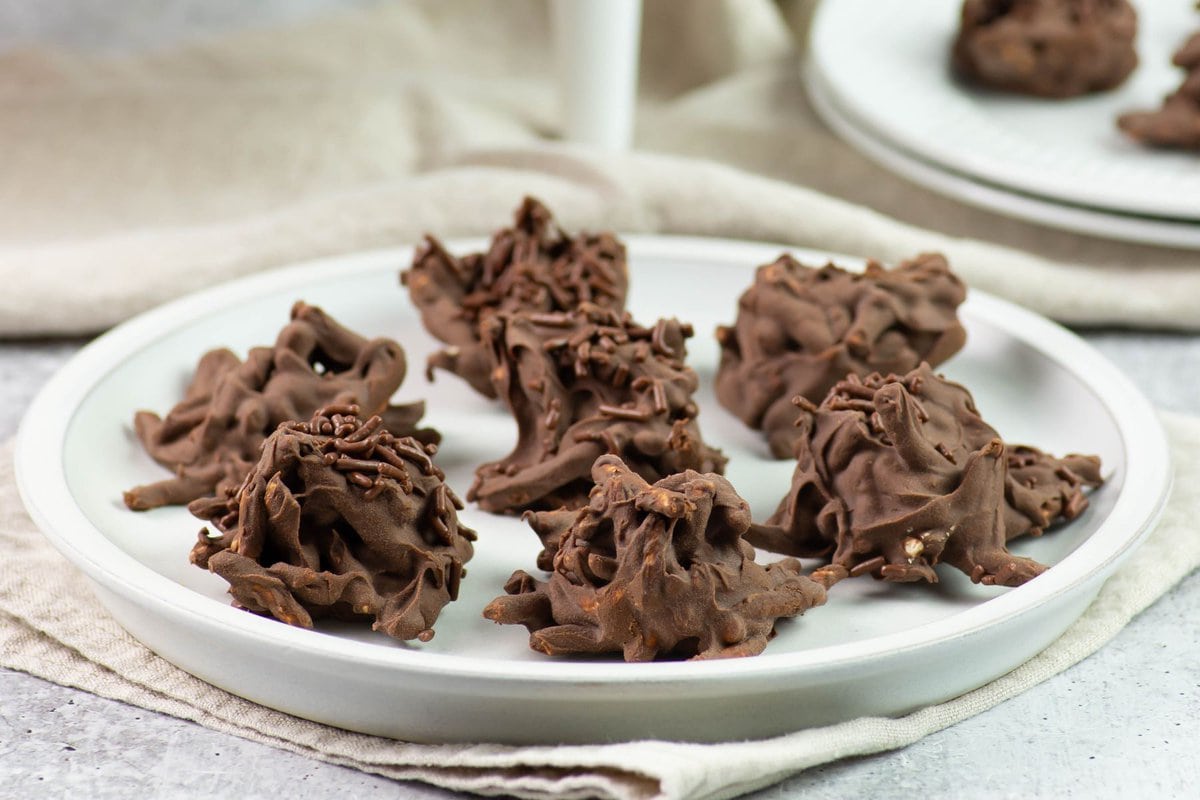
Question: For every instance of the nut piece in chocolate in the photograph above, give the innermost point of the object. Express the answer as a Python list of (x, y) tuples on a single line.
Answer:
[(1048, 48), (532, 266), (212, 438), (654, 571), (581, 384), (800, 330), (896, 474), (340, 519), (1177, 123)]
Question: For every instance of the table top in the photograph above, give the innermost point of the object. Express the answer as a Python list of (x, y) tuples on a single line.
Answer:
[(1122, 722)]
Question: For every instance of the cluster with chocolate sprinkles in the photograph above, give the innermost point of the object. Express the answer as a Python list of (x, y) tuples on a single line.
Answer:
[(898, 473), (212, 438), (531, 267), (340, 518), (1177, 123), (654, 571), (801, 329), (581, 384)]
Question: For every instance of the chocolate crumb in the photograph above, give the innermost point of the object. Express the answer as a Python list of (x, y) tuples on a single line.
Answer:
[(1177, 123)]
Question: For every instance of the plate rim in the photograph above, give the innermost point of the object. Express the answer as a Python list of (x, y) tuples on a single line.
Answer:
[(1043, 211), (1038, 174), (41, 481)]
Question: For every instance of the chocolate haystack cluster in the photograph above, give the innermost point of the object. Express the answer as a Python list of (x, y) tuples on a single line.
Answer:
[(533, 266), (581, 384), (800, 330), (1177, 123), (339, 518), (896, 474), (655, 571), (212, 438), (1048, 48)]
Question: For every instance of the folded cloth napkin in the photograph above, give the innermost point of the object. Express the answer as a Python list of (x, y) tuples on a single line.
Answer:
[(52, 626), (55, 289), (130, 178)]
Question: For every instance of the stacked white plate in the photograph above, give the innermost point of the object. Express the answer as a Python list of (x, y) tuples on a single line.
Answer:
[(879, 75)]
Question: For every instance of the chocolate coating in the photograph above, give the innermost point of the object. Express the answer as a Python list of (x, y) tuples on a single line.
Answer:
[(581, 384), (1049, 48), (652, 572), (212, 438), (1177, 123), (532, 266), (896, 474), (339, 518), (800, 330)]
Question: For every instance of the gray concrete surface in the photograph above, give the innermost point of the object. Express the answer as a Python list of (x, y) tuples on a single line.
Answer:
[(1123, 723)]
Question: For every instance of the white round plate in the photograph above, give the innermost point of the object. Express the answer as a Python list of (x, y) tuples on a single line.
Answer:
[(887, 66), (1142, 230), (875, 648)]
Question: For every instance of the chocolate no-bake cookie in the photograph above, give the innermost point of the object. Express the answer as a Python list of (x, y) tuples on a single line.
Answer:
[(1177, 123), (339, 518), (211, 439), (897, 474), (581, 384), (800, 330), (533, 266), (1049, 48), (654, 571)]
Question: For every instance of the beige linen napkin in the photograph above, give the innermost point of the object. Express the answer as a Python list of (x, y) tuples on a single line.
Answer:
[(52, 626), (128, 179), (56, 288)]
